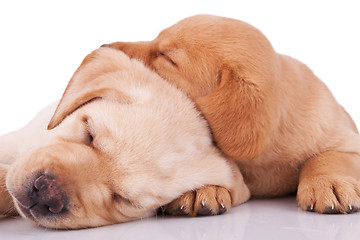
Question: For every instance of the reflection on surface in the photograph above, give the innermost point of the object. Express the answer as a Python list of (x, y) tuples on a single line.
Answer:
[(257, 219)]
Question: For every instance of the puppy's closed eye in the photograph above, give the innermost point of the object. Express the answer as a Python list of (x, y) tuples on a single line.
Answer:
[(89, 132), (90, 139), (166, 57)]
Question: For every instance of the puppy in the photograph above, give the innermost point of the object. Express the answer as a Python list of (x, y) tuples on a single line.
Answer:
[(267, 111), (126, 143)]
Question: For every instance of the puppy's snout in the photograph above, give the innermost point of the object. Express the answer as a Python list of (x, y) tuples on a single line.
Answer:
[(47, 196)]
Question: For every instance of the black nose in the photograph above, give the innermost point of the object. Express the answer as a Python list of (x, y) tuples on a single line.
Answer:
[(46, 196)]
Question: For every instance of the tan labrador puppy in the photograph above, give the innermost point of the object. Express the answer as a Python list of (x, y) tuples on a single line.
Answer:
[(128, 143), (267, 111)]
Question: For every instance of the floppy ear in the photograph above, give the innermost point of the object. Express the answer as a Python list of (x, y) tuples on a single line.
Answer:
[(88, 83), (240, 114)]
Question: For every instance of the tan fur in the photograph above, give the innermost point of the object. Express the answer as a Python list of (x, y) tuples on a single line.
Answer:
[(150, 145), (267, 111)]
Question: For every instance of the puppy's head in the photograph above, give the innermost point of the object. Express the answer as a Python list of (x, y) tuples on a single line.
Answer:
[(195, 52), (123, 143)]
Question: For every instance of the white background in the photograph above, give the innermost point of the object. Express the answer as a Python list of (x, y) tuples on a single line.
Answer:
[(43, 42)]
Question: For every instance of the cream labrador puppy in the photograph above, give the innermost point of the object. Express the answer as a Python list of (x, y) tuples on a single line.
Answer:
[(126, 144)]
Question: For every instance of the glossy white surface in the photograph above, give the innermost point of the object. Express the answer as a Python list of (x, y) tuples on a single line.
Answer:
[(258, 219)]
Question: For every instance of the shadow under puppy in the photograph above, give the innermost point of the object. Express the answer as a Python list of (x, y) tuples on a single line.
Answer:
[(127, 143)]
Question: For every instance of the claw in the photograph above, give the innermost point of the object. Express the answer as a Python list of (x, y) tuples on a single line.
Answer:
[(204, 211), (331, 210), (310, 208)]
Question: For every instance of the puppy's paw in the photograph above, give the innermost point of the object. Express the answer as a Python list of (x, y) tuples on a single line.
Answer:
[(329, 194), (205, 201)]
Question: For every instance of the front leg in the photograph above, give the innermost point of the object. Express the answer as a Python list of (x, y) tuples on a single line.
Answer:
[(329, 183), (6, 203), (210, 199)]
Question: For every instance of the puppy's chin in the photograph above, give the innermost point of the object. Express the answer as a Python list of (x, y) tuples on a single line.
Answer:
[(24, 212), (72, 221)]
